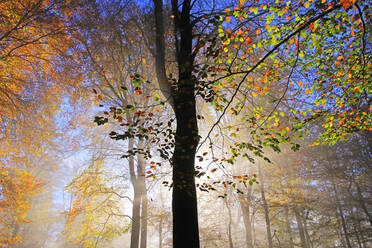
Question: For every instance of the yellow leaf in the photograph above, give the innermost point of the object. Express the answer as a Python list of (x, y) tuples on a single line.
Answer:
[(254, 93), (307, 4)]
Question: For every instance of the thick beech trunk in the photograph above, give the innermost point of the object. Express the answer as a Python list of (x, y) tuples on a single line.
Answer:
[(185, 216), (184, 202)]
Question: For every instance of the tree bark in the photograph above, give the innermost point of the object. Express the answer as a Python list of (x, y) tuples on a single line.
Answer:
[(184, 202), (266, 208), (362, 204), (136, 219), (229, 232), (143, 192), (300, 229), (288, 225), (161, 232), (308, 239), (245, 207), (164, 85), (340, 212)]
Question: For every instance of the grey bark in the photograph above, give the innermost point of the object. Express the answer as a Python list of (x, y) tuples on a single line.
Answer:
[(288, 226), (143, 192), (229, 233), (246, 211), (300, 227), (136, 219), (341, 214), (266, 208)]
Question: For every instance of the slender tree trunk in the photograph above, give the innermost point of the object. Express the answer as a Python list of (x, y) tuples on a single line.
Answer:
[(289, 229), (340, 212), (357, 223), (300, 229), (229, 232), (265, 206), (362, 203), (308, 239), (339, 230), (253, 231), (143, 192), (135, 232), (161, 232), (136, 220), (144, 220), (245, 207)]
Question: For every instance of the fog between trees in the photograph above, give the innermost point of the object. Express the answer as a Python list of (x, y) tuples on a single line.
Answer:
[(185, 124)]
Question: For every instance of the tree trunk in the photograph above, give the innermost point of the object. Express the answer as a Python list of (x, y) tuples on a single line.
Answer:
[(184, 202), (300, 229), (340, 211), (288, 225), (308, 239), (229, 232), (143, 192), (357, 223), (245, 207), (136, 220), (161, 232), (185, 216), (362, 204), (144, 221), (135, 231), (266, 208)]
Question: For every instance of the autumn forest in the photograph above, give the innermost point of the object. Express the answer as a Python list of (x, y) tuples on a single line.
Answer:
[(185, 124)]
